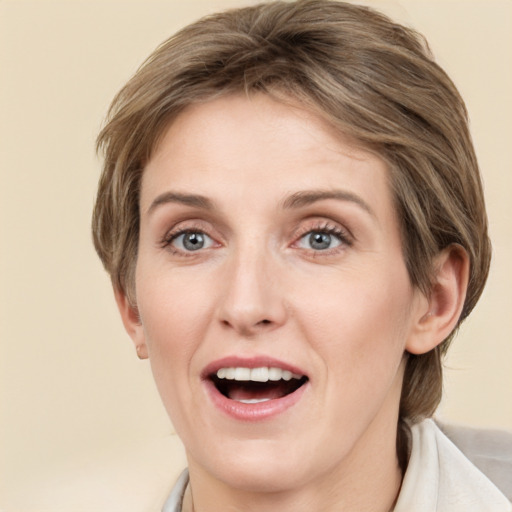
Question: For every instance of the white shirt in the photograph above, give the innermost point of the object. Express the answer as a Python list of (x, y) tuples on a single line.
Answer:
[(439, 478)]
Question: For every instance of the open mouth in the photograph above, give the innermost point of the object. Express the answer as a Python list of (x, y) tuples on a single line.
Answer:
[(256, 385)]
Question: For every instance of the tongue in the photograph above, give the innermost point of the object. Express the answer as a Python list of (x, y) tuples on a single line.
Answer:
[(258, 391)]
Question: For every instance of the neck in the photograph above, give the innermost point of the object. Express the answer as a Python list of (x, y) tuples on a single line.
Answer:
[(367, 481), (378, 499)]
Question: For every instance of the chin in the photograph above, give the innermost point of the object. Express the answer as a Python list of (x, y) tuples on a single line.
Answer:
[(261, 466), (262, 476)]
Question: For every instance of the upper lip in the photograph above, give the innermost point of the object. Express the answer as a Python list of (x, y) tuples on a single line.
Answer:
[(248, 362)]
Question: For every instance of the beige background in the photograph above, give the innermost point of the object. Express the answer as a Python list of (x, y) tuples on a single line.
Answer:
[(81, 422)]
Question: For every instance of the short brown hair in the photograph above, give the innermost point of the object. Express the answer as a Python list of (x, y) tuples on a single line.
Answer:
[(373, 79)]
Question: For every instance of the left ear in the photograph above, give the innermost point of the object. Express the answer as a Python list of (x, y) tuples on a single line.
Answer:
[(132, 324), (440, 311)]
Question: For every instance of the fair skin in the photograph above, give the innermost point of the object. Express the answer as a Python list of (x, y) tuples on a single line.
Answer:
[(268, 240)]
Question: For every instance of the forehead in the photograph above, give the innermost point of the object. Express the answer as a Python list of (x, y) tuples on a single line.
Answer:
[(255, 114), (260, 145)]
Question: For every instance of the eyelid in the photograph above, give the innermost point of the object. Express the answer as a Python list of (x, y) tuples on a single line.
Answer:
[(329, 226), (323, 224), (182, 228), (326, 226)]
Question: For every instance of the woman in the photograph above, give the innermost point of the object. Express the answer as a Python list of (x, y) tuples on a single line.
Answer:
[(293, 220)]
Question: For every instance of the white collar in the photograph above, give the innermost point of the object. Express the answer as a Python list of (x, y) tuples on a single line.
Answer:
[(440, 478), (175, 499)]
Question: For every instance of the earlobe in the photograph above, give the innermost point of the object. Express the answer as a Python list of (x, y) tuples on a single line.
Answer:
[(442, 309), (132, 323)]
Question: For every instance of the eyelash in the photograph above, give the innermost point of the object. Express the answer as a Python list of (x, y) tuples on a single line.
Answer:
[(171, 236), (327, 228)]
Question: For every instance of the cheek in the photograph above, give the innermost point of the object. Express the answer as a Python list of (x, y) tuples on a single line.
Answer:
[(173, 307), (358, 336), (361, 324), (176, 307), (170, 312)]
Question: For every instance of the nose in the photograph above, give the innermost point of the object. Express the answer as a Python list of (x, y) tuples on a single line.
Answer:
[(253, 296)]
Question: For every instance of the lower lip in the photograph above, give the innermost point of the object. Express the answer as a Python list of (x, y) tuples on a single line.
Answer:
[(253, 412)]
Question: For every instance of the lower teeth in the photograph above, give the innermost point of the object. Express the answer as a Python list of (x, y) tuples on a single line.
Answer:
[(253, 400)]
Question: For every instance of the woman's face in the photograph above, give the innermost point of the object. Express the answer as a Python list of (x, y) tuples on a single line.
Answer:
[(267, 241)]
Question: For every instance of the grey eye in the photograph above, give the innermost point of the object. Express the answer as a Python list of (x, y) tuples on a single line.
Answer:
[(319, 241), (192, 241)]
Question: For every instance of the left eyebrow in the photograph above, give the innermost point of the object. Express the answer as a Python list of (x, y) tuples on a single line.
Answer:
[(307, 197)]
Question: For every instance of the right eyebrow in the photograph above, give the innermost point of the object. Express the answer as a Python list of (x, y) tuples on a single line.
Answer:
[(194, 200)]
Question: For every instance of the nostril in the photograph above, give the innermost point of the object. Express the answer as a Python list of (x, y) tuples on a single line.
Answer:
[(246, 327)]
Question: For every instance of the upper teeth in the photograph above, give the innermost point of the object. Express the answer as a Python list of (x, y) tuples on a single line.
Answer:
[(262, 374)]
